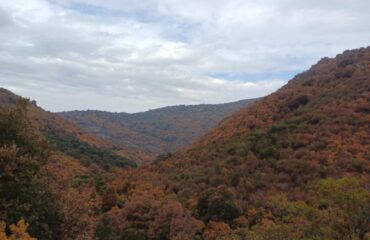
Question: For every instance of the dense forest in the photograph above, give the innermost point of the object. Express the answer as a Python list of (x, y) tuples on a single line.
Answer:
[(158, 131), (293, 165), (70, 139)]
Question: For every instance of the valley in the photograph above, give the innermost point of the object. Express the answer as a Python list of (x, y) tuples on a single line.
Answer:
[(292, 165), (155, 132)]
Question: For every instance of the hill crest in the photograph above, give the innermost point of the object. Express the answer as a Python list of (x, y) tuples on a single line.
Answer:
[(156, 131)]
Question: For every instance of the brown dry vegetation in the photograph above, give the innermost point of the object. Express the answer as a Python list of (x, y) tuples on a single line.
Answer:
[(260, 174), (294, 165)]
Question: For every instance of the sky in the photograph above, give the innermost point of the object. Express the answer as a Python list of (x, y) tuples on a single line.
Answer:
[(131, 55)]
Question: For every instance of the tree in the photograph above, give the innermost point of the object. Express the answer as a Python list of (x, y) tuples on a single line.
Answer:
[(16, 129), (217, 204), (104, 230), (173, 221), (18, 231), (216, 230), (133, 234), (76, 207), (109, 199), (23, 150), (346, 204)]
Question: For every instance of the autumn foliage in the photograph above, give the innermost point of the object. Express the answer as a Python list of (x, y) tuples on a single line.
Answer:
[(18, 231), (294, 165), (280, 169)]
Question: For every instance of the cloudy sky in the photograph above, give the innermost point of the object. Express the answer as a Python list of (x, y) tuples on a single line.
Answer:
[(134, 55)]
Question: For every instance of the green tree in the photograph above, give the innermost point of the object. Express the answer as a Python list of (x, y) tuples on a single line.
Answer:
[(346, 204), (23, 150), (217, 204), (133, 234), (104, 230)]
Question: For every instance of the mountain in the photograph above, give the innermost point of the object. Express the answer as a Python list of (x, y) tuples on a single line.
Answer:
[(52, 173), (294, 165), (156, 131), (68, 138)]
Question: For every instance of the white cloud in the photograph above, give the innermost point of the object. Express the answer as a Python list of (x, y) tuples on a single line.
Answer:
[(126, 55)]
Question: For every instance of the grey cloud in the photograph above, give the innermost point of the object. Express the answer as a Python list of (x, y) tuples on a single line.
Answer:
[(5, 19), (155, 53)]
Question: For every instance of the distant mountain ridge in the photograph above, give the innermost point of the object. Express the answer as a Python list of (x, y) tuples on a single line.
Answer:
[(157, 131)]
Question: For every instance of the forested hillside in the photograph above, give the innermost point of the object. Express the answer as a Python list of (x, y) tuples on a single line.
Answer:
[(156, 131), (44, 191), (295, 165), (69, 138)]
